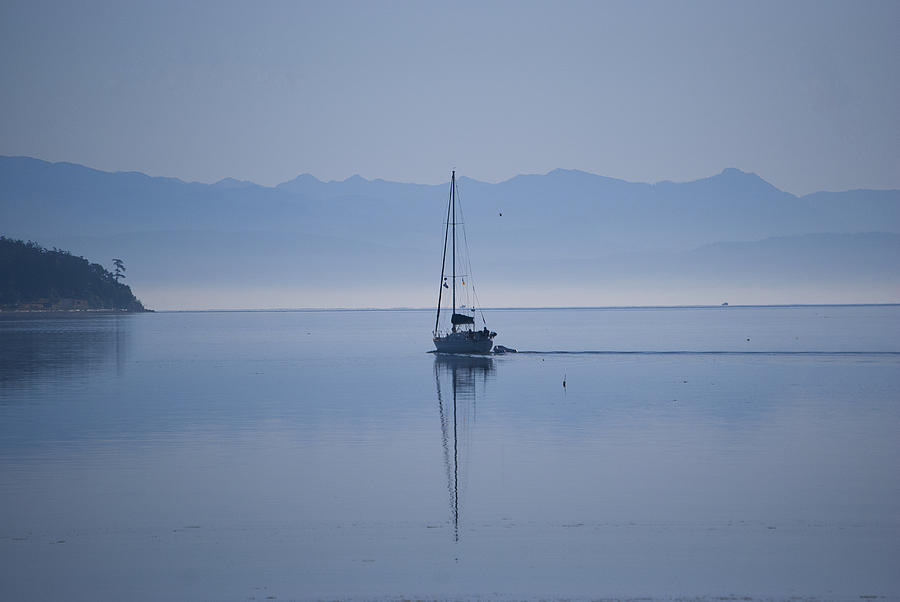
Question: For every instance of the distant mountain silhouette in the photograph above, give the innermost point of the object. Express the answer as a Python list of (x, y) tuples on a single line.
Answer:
[(567, 228), (228, 183)]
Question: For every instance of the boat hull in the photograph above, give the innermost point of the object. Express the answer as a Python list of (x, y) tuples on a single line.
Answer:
[(463, 342)]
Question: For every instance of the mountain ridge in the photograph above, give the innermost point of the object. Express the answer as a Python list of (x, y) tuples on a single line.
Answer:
[(727, 171), (358, 235)]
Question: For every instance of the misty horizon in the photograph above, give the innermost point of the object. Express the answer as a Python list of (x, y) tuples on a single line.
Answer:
[(566, 238)]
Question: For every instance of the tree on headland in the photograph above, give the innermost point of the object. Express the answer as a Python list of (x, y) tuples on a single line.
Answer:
[(120, 269), (35, 278)]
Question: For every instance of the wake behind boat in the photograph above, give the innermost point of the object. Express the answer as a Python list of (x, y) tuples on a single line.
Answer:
[(462, 335)]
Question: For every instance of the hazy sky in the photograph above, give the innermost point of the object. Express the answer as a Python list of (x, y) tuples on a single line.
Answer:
[(806, 94)]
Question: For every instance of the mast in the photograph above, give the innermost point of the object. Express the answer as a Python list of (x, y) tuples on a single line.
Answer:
[(443, 261), (453, 203)]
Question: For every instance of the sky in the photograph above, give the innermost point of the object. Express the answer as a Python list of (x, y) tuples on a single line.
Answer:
[(805, 94)]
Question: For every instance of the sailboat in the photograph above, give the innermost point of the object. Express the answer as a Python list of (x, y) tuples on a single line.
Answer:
[(462, 336)]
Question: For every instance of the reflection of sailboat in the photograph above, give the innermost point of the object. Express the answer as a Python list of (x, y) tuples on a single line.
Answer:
[(462, 336), (463, 372)]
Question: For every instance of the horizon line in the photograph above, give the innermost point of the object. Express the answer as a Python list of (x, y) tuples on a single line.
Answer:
[(527, 308)]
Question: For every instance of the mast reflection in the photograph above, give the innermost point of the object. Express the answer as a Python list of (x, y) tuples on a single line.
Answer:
[(464, 374)]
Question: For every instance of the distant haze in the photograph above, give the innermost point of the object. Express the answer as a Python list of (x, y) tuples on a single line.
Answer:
[(804, 93), (564, 238)]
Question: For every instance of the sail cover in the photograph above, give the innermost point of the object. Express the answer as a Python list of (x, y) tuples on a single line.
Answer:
[(462, 319)]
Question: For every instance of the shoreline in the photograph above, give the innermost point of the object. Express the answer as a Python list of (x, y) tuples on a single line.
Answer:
[(431, 309), (536, 308), (75, 311)]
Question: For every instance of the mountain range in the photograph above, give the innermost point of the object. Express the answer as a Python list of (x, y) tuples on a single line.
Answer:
[(563, 238)]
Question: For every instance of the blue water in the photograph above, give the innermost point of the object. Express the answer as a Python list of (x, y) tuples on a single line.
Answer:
[(694, 452)]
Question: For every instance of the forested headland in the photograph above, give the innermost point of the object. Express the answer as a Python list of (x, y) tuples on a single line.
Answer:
[(33, 278)]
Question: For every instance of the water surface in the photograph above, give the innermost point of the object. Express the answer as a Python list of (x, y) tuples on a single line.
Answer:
[(697, 452)]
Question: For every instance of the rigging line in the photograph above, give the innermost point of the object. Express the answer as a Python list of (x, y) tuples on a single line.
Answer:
[(469, 262), (465, 238), (472, 299)]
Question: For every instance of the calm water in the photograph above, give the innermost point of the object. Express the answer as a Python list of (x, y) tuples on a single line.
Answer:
[(308, 455)]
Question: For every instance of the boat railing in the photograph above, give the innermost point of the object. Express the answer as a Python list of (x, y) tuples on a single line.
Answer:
[(443, 333)]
